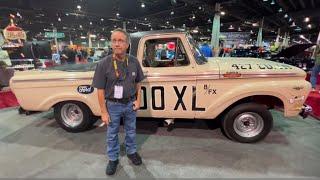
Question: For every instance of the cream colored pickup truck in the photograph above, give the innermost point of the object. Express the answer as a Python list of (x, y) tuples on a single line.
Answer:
[(180, 83)]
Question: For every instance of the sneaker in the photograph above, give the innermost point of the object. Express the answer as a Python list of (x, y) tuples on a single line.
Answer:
[(135, 158), (112, 167)]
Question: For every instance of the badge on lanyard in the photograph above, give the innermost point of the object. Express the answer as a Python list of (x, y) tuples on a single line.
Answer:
[(118, 89), (118, 92)]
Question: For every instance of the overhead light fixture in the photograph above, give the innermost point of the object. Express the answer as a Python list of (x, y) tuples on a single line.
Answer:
[(255, 24), (239, 29), (168, 22), (82, 37), (251, 32), (92, 35), (309, 26), (67, 14), (293, 24), (290, 19), (143, 5), (298, 29), (80, 26), (102, 39), (265, 0), (151, 29), (79, 7), (286, 15), (118, 14), (221, 24), (199, 7), (173, 27), (209, 20), (102, 19), (195, 31), (59, 19), (172, 13), (231, 27), (272, 2), (307, 19), (193, 16), (145, 19), (223, 13), (135, 27), (280, 10), (90, 23)]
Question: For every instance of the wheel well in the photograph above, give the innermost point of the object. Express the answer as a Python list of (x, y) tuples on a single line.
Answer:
[(269, 101)]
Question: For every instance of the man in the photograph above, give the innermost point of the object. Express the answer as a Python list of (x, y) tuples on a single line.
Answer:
[(206, 50), (117, 78), (316, 69)]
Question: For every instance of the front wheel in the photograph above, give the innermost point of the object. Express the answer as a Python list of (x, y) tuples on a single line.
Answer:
[(247, 123), (73, 116)]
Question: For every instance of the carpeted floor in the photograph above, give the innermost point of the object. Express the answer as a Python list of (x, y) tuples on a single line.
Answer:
[(35, 147)]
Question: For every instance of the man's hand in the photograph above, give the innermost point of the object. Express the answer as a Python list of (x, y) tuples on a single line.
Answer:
[(105, 118), (136, 105)]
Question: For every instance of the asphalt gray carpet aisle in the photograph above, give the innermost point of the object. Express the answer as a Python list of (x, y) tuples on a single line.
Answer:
[(36, 147)]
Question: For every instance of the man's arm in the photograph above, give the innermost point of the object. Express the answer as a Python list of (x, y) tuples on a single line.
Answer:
[(104, 112), (138, 95)]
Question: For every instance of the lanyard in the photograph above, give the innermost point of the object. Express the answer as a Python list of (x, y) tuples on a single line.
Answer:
[(115, 65)]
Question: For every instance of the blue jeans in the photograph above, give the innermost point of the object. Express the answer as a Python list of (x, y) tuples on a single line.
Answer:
[(314, 75), (116, 111)]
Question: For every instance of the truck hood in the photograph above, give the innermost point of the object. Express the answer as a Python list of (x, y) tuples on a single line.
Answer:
[(255, 67)]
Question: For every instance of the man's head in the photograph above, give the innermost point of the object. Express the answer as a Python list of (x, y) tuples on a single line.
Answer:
[(120, 41)]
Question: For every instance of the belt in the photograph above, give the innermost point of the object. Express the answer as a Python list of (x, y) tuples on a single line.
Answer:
[(123, 100)]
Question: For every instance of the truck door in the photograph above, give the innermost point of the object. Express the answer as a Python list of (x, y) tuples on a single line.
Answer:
[(170, 76)]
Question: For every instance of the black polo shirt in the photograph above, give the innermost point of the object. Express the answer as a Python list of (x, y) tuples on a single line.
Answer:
[(129, 74)]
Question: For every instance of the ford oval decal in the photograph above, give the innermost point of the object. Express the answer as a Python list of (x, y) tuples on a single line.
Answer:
[(85, 89)]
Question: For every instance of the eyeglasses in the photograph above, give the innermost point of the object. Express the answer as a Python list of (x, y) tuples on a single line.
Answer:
[(120, 41)]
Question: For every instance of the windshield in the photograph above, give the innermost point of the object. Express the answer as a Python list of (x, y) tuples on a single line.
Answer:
[(75, 67), (199, 57)]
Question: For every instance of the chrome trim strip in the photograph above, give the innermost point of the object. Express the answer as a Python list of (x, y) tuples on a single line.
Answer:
[(180, 76)]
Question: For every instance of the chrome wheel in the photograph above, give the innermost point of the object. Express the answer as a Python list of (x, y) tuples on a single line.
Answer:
[(71, 114), (248, 124)]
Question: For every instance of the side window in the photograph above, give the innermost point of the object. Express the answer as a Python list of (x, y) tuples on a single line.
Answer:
[(164, 53)]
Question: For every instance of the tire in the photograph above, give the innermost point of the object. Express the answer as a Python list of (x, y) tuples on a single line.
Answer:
[(236, 123), (65, 111)]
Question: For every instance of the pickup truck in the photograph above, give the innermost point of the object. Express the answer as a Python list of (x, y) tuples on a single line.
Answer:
[(180, 83)]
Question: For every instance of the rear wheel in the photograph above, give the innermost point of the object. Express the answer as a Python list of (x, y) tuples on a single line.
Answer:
[(74, 116), (247, 123)]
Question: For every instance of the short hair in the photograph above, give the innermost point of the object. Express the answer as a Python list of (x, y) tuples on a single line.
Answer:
[(123, 32)]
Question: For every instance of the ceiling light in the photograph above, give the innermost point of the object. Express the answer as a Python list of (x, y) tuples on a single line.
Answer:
[(255, 24), (82, 37), (80, 26), (200, 8), (173, 27), (272, 2), (195, 31), (118, 14), (151, 29), (298, 29), (286, 15), (293, 24), (221, 24), (168, 22), (251, 31), (209, 20), (135, 27), (145, 19), (223, 13), (290, 19), (239, 29), (143, 5), (265, 0), (193, 16), (172, 13), (90, 23), (280, 10), (102, 39), (231, 27), (67, 14), (307, 19), (309, 26), (102, 19), (92, 35), (79, 7), (59, 19)]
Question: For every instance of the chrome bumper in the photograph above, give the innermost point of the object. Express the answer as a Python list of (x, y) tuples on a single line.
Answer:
[(306, 110)]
